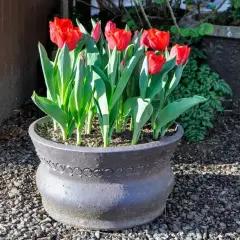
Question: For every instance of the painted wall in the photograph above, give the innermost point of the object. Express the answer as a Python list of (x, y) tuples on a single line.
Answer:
[(22, 25)]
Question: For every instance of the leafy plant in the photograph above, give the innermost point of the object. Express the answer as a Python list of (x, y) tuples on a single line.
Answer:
[(235, 11), (97, 75), (198, 79)]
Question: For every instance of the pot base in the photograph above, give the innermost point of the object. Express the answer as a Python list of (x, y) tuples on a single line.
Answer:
[(102, 225)]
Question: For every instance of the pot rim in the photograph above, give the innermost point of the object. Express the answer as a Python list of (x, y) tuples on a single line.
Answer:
[(143, 146)]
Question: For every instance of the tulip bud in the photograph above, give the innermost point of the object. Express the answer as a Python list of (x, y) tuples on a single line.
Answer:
[(181, 53), (96, 33), (109, 26), (155, 62)]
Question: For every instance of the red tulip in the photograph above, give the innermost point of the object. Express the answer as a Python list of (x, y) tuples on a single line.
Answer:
[(96, 33), (62, 31), (155, 39), (181, 52), (109, 26), (155, 62), (119, 38)]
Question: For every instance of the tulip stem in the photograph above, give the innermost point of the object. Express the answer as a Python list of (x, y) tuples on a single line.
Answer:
[(131, 124), (64, 134), (55, 125), (79, 133), (155, 133), (56, 57), (89, 122)]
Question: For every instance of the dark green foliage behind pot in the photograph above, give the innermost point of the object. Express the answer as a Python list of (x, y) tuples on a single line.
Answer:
[(198, 79)]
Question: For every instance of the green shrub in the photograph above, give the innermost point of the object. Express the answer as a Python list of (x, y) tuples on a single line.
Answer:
[(198, 79)]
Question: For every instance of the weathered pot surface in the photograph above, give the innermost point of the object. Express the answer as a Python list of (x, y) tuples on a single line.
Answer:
[(104, 188)]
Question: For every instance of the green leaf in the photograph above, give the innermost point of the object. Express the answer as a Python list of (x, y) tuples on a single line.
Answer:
[(73, 107), (129, 106), (173, 110), (82, 28), (79, 92), (101, 97), (52, 110), (175, 80), (64, 66), (93, 56), (143, 79), (141, 114), (126, 74), (113, 67), (93, 23), (101, 103), (185, 32), (48, 72), (128, 52), (137, 41), (206, 28)]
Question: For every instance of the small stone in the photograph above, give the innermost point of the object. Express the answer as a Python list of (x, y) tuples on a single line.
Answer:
[(194, 197), (17, 184), (13, 192), (238, 230), (97, 234), (191, 215), (222, 225)]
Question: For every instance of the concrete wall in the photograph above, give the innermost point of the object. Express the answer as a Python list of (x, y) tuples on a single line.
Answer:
[(22, 24)]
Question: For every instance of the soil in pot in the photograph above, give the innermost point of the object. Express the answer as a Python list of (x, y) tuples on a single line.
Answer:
[(94, 139)]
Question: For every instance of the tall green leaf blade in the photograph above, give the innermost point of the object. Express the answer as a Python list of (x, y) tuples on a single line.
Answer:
[(112, 67), (73, 108), (64, 66), (126, 74), (82, 28), (143, 80), (128, 106), (101, 97), (101, 103), (137, 41), (48, 72), (52, 110), (81, 73), (141, 114), (173, 110), (175, 80), (93, 56), (107, 83)]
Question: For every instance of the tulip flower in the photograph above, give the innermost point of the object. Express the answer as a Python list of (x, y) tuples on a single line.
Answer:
[(119, 38), (181, 53), (109, 26), (155, 62), (96, 33), (155, 39), (62, 31)]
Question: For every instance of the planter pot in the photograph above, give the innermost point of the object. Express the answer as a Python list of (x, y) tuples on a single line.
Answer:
[(222, 48), (104, 188)]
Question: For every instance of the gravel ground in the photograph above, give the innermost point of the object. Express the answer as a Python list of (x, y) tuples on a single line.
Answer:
[(205, 202)]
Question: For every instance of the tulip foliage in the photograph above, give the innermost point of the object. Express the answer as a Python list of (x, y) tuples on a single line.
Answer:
[(116, 77)]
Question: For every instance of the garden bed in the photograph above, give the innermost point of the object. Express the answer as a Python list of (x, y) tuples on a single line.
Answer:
[(204, 203)]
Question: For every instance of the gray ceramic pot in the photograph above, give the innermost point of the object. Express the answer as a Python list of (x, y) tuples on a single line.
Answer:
[(104, 188)]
